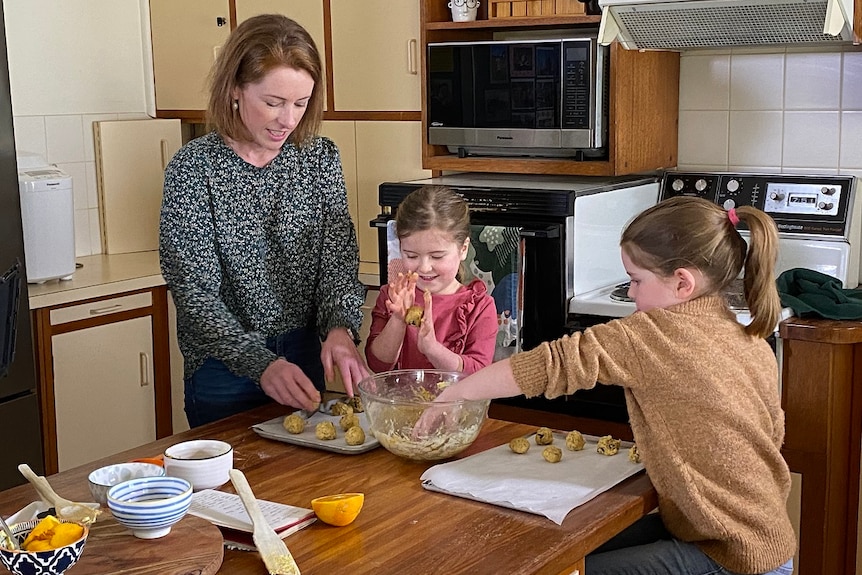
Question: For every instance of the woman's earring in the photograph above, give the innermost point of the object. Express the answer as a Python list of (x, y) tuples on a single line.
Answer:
[(235, 105)]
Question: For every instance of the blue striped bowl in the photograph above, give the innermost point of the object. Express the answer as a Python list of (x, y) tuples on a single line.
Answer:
[(149, 506)]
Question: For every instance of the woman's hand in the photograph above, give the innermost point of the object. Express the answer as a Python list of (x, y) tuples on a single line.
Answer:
[(286, 383), (339, 354), (402, 292)]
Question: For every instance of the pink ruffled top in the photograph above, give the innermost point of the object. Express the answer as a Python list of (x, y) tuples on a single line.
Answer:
[(465, 322)]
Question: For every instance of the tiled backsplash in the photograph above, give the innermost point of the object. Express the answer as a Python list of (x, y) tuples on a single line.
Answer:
[(67, 141), (771, 111)]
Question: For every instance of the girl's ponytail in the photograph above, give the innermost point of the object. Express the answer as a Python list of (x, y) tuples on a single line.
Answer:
[(759, 287)]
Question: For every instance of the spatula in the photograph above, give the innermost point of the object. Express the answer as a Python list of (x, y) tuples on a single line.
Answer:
[(271, 547), (71, 510)]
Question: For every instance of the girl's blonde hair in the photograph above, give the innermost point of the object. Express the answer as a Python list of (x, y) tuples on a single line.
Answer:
[(434, 207), (688, 232), (256, 47)]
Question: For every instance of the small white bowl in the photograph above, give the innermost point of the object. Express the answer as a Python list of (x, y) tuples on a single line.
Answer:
[(204, 463), (106, 477), (149, 506)]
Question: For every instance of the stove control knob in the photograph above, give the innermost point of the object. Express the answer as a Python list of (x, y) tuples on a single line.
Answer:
[(728, 204), (700, 185), (824, 206), (677, 185), (827, 191), (732, 186), (776, 196)]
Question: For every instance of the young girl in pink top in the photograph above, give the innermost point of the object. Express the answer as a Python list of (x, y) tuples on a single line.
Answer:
[(458, 328)]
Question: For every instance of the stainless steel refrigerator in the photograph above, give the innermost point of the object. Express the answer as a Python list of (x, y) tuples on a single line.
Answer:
[(20, 427)]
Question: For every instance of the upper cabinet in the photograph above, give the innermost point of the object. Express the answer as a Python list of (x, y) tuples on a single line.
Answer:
[(643, 99), (186, 37), (375, 55)]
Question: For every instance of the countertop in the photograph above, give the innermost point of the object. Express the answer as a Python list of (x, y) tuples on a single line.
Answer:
[(402, 528)]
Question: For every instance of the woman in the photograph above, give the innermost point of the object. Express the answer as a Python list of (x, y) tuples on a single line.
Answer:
[(256, 242)]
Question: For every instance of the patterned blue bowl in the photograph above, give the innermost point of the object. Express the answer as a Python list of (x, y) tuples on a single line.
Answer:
[(51, 562), (149, 506)]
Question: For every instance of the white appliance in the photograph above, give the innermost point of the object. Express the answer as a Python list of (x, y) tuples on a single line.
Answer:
[(48, 221), (818, 218)]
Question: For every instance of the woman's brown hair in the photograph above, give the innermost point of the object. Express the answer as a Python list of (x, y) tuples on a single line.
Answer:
[(256, 47), (687, 232)]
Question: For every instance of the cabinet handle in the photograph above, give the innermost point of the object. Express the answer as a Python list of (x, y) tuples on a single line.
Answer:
[(106, 309), (412, 68), (145, 369), (165, 157)]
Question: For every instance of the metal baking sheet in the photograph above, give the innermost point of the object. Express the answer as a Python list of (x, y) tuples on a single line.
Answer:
[(274, 429)]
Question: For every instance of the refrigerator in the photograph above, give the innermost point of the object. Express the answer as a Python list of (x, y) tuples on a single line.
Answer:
[(20, 423)]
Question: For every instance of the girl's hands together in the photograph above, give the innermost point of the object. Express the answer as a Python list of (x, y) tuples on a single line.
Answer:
[(402, 292), (427, 339)]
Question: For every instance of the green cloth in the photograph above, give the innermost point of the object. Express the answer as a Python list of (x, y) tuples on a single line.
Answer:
[(811, 293)]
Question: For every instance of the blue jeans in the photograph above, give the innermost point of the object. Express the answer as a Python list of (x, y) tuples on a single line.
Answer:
[(647, 548), (214, 392)]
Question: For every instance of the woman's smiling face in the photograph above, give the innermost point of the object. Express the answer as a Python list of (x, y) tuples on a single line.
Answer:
[(436, 257)]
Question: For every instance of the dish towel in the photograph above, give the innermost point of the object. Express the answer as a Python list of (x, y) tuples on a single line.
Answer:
[(811, 293)]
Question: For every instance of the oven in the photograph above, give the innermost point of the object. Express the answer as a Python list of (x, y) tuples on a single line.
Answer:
[(568, 234)]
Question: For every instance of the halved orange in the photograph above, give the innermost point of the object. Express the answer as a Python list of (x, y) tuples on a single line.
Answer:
[(338, 510)]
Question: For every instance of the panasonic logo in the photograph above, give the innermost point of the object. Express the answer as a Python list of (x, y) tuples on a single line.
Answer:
[(505, 138)]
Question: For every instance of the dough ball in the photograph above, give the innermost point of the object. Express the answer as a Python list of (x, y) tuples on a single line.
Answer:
[(340, 408), (575, 441), (608, 445), (349, 420), (544, 436), (413, 316), (294, 423), (519, 445), (634, 456), (356, 403), (552, 454), (355, 435), (325, 430)]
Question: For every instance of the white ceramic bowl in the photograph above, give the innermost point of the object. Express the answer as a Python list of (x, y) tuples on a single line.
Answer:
[(204, 463), (106, 477), (149, 506)]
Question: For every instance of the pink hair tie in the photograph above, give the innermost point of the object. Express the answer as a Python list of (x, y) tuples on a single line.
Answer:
[(731, 215)]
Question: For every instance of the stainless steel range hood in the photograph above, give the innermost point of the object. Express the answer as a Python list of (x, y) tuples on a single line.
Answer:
[(691, 24)]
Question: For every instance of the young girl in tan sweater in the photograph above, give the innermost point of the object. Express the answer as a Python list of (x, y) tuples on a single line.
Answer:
[(701, 390)]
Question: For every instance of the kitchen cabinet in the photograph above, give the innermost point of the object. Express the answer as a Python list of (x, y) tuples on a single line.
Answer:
[(375, 55), (185, 37), (643, 100), (104, 375), (373, 152)]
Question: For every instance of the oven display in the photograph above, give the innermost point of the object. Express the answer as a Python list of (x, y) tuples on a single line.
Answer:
[(790, 198)]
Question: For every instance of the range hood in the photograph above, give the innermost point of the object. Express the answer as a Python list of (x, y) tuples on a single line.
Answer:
[(691, 24)]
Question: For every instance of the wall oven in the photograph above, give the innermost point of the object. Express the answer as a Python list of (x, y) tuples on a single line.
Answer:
[(568, 230)]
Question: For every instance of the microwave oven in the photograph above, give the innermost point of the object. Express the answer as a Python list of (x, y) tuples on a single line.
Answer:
[(546, 98)]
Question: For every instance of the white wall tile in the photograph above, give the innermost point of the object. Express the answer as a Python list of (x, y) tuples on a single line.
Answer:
[(79, 182), (851, 91), (704, 82), (703, 137), (811, 139), (756, 81), (30, 134), (92, 186), (851, 141), (813, 81), (755, 138), (95, 232), (65, 139), (87, 128), (82, 233)]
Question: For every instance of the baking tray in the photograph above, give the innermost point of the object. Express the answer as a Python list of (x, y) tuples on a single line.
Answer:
[(274, 429)]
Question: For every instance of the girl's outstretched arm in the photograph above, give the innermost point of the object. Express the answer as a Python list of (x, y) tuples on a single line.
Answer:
[(496, 380)]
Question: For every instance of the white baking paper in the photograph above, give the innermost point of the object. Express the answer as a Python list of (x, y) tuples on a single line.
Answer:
[(529, 483)]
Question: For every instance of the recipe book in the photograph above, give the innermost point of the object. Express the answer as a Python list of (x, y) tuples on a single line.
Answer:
[(227, 512)]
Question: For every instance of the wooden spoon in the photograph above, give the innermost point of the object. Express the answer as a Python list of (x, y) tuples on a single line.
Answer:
[(85, 513)]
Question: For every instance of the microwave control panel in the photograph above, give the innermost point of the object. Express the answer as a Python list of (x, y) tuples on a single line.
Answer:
[(800, 205)]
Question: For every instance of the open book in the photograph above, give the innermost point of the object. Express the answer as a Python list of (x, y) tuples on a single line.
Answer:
[(226, 511)]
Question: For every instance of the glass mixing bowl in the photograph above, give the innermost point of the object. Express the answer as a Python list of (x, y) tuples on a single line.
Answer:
[(394, 401)]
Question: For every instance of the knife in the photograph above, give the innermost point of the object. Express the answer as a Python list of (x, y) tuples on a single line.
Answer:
[(271, 547)]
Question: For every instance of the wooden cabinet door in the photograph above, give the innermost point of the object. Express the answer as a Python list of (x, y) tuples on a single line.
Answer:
[(375, 58), (186, 36), (103, 390), (343, 133)]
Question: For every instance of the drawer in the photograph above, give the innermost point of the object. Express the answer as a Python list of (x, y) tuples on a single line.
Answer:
[(101, 308)]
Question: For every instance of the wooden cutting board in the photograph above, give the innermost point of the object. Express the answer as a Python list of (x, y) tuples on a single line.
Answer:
[(194, 546)]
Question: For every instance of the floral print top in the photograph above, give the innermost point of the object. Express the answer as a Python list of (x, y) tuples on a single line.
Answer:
[(252, 252)]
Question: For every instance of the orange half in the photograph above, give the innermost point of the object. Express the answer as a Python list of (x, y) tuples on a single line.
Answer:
[(338, 510)]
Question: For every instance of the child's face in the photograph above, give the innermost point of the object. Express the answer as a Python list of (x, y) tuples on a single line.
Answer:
[(435, 256), (649, 290)]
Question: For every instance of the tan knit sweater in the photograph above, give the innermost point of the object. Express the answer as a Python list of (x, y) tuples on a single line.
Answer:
[(705, 411)]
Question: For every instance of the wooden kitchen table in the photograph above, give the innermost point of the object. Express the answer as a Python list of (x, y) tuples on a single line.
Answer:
[(403, 529)]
